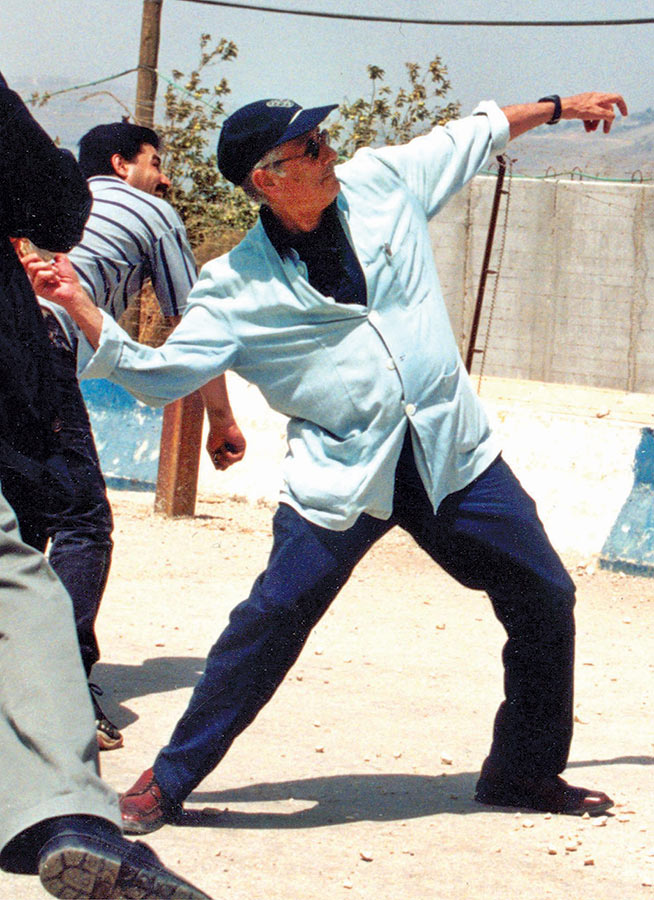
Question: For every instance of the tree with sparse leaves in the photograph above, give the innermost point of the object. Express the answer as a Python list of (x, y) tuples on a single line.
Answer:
[(385, 118), (205, 201)]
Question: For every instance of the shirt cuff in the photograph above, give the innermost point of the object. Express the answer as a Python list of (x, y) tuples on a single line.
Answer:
[(102, 362), (499, 124)]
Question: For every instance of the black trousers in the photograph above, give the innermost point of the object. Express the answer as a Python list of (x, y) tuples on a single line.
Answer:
[(63, 499)]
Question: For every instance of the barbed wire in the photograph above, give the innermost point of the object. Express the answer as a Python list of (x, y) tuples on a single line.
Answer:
[(569, 174), (48, 94), (76, 87)]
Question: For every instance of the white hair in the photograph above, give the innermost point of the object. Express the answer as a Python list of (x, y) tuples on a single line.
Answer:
[(267, 161)]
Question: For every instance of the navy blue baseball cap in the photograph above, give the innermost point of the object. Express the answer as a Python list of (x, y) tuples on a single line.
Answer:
[(253, 130)]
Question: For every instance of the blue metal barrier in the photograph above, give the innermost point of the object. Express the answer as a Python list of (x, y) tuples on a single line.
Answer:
[(127, 435), (630, 545)]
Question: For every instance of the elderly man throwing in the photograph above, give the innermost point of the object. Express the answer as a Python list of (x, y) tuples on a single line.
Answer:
[(332, 306)]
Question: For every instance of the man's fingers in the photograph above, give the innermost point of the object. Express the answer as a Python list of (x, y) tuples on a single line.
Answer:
[(39, 271), (33, 265), (594, 108), (34, 262), (220, 457), (226, 455), (622, 106), (29, 259), (221, 462), (606, 102)]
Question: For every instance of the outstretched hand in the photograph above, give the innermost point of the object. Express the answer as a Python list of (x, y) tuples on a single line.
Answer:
[(592, 108)]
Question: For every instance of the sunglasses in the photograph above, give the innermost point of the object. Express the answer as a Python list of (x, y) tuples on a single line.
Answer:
[(311, 150)]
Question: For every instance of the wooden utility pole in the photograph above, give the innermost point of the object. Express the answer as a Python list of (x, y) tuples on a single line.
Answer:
[(146, 83), (181, 432), (179, 456)]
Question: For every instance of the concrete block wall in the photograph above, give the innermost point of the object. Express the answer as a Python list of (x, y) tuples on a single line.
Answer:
[(575, 294)]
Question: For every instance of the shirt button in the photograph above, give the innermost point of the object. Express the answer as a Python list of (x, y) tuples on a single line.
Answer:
[(390, 364), (410, 409)]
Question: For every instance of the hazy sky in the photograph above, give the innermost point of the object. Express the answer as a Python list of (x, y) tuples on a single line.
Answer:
[(316, 61)]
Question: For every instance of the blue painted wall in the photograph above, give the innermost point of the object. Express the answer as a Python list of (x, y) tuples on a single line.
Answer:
[(126, 434)]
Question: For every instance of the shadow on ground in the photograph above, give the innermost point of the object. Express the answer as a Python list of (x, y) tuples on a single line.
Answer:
[(339, 799), (616, 761), (334, 800), (158, 675)]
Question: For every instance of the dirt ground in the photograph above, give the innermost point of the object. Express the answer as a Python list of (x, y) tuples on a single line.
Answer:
[(356, 781)]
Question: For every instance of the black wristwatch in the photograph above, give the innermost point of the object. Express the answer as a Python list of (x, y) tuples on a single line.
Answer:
[(556, 100)]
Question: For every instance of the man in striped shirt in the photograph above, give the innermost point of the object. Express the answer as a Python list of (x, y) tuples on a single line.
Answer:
[(132, 235)]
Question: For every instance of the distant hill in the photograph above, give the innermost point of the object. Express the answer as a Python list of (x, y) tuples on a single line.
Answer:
[(627, 152)]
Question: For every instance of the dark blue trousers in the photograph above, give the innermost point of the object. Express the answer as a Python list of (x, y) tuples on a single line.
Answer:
[(68, 505), (487, 536)]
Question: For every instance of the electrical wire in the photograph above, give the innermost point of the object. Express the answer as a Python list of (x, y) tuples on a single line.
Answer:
[(488, 23)]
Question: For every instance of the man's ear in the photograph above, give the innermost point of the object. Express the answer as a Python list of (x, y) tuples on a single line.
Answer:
[(263, 181), (120, 166)]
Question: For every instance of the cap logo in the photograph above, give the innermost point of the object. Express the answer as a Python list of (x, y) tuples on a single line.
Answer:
[(285, 104)]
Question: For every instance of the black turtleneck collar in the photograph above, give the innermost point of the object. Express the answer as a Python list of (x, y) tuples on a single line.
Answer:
[(332, 265), (282, 239)]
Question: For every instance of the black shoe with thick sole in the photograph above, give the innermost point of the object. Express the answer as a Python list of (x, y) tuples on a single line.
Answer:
[(90, 867)]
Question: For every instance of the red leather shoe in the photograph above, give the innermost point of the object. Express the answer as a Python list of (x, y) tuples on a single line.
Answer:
[(550, 794), (144, 807)]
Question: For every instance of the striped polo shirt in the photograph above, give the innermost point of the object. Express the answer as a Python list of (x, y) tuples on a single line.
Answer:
[(130, 236)]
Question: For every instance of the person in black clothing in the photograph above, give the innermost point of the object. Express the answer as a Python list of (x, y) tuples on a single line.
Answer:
[(58, 817)]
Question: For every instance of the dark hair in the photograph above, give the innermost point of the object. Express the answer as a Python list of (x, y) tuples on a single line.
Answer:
[(99, 144)]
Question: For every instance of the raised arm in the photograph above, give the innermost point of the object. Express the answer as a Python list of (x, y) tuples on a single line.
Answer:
[(591, 108)]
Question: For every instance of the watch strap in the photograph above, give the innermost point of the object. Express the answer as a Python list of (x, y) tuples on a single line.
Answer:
[(556, 100)]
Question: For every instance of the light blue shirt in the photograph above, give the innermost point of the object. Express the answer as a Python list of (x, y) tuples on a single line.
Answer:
[(350, 378)]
